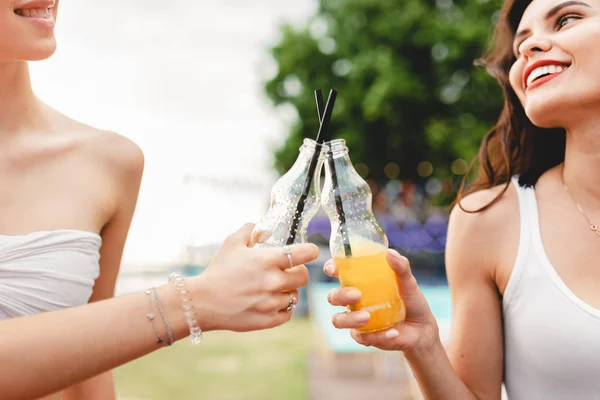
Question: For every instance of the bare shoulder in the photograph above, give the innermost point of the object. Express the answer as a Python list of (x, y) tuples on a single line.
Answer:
[(115, 153), (486, 239), (465, 217)]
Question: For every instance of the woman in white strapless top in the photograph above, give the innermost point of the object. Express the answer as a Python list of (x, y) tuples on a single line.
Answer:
[(68, 190), (67, 198), (522, 253)]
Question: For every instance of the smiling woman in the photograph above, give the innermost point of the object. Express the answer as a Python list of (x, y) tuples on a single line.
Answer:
[(521, 253)]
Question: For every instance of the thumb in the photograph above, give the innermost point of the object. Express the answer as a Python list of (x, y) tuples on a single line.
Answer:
[(401, 266), (241, 237)]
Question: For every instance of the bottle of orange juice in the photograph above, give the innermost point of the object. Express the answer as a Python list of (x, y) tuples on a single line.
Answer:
[(358, 244)]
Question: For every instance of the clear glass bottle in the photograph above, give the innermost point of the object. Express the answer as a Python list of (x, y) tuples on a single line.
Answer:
[(358, 244), (285, 222)]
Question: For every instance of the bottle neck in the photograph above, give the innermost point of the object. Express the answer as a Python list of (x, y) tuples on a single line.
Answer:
[(338, 148), (309, 147), (339, 156)]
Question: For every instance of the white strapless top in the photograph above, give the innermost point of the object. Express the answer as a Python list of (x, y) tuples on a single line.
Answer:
[(47, 271)]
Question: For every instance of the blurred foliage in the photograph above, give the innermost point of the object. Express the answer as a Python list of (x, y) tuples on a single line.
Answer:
[(408, 91)]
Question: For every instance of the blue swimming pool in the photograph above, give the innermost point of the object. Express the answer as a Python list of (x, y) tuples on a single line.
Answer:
[(439, 300), (438, 297)]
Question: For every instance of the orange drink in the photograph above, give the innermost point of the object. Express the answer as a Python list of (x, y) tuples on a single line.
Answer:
[(368, 271)]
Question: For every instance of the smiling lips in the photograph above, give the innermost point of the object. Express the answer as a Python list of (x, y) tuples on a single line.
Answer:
[(542, 71), (37, 12), (34, 12)]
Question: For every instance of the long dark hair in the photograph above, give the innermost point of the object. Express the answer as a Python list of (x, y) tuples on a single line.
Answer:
[(514, 145)]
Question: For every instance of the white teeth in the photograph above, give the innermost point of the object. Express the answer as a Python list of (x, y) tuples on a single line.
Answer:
[(545, 70), (34, 12)]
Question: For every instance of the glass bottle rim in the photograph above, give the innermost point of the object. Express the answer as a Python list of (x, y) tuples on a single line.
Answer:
[(312, 145), (337, 148)]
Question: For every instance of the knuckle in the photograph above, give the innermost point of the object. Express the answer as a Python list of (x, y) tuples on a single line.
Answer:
[(262, 259), (412, 281), (304, 276), (332, 296), (230, 238), (273, 304), (273, 283), (337, 321), (357, 337)]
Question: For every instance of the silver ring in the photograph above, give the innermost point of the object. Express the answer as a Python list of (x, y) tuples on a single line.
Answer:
[(287, 250), (292, 304)]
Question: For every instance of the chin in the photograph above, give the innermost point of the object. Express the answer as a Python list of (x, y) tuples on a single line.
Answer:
[(41, 51), (543, 119), (550, 111)]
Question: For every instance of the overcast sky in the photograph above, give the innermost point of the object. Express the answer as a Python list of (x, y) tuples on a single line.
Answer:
[(183, 80)]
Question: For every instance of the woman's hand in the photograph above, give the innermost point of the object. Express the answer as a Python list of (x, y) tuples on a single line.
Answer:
[(419, 330), (245, 289)]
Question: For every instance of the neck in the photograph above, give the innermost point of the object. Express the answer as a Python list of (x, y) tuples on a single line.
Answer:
[(581, 170), (19, 108)]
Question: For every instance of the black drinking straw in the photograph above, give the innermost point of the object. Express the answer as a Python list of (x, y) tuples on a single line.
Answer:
[(323, 129), (334, 181)]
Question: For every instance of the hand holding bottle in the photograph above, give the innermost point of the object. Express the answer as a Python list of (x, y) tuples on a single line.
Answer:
[(251, 288), (358, 244), (418, 330)]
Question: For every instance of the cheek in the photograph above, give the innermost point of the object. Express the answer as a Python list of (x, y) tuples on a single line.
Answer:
[(513, 74), (10, 33), (515, 77), (579, 42)]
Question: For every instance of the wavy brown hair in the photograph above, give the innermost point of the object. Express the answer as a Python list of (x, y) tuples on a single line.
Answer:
[(514, 145)]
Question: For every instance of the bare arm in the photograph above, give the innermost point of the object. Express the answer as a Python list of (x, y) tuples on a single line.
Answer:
[(241, 290), (126, 165), (476, 343), (45, 353), (475, 353)]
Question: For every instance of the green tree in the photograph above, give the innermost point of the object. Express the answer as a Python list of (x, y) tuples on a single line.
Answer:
[(408, 91)]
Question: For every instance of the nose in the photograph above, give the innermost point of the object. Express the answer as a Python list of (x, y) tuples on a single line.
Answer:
[(535, 44)]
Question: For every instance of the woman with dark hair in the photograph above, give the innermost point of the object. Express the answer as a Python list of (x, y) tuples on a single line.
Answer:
[(522, 250)]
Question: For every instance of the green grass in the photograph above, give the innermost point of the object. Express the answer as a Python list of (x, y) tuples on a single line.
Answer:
[(264, 365)]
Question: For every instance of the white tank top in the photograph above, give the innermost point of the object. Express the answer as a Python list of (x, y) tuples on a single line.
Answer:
[(551, 337), (47, 270)]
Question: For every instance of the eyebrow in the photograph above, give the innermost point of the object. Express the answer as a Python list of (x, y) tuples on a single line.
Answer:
[(552, 12)]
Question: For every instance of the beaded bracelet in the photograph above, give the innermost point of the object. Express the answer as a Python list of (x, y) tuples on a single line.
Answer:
[(188, 307)]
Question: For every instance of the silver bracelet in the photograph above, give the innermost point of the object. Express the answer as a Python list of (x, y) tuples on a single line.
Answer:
[(188, 307), (150, 316), (162, 314)]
